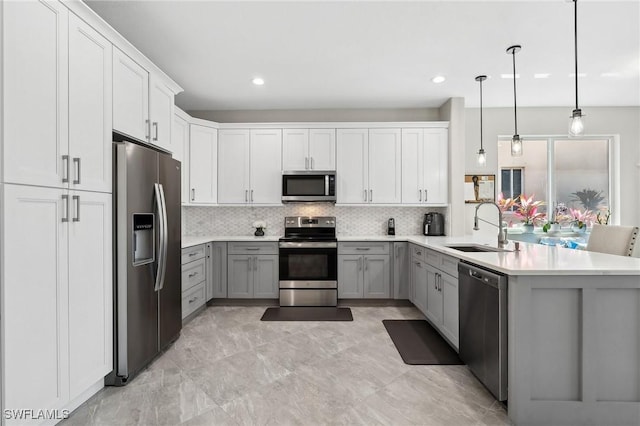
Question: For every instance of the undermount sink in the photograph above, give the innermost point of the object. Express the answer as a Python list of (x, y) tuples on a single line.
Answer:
[(475, 248)]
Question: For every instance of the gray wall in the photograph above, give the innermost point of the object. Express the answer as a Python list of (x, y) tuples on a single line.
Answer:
[(322, 115), (550, 121)]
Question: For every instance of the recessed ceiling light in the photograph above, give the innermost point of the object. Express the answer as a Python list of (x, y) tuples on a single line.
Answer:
[(541, 75), (509, 75), (610, 74), (580, 75), (258, 81), (438, 79)]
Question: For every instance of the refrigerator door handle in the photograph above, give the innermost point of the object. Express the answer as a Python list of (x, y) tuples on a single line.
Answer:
[(158, 281), (165, 239)]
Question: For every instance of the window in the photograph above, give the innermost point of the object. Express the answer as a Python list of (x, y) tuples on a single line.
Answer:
[(572, 172), (511, 182)]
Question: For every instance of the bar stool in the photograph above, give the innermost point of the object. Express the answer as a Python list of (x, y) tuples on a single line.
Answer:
[(619, 240)]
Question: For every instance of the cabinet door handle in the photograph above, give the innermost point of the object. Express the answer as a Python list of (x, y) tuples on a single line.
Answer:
[(359, 264), (193, 194), (255, 263), (371, 195), (306, 163), (246, 195), (147, 126), (366, 263), (252, 248), (76, 199), (420, 191), (192, 254), (425, 196), (252, 195), (65, 168), (365, 195), (65, 200), (155, 128), (249, 264), (76, 161), (192, 300), (363, 248), (312, 166), (193, 275)]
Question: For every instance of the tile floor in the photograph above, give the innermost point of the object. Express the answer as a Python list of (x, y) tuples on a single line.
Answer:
[(229, 368)]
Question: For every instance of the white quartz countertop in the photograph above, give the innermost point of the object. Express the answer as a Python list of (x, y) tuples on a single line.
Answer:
[(531, 259)]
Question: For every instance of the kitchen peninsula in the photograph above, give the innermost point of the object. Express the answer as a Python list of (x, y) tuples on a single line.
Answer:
[(573, 328)]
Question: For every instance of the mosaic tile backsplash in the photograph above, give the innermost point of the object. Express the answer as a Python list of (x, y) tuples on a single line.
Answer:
[(365, 220)]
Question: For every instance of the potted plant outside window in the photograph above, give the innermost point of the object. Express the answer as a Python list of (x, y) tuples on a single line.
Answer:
[(527, 211)]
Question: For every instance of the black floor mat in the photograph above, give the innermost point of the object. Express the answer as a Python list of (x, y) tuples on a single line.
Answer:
[(420, 344), (304, 313)]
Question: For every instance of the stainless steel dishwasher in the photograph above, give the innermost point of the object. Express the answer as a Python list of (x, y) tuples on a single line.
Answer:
[(483, 325)]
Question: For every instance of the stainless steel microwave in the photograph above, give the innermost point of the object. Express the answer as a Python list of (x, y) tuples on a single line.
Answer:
[(308, 186)]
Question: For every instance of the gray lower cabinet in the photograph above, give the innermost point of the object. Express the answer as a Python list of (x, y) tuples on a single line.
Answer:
[(195, 278), (217, 275), (252, 276), (400, 270), (350, 277), (418, 278), (364, 270), (265, 279)]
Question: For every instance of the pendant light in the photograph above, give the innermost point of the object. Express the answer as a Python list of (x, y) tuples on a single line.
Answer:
[(516, 142), (482, 156), (576, 124)]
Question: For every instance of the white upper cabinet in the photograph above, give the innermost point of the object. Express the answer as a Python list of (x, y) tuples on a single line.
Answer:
[(35, 66), (436, 166), (90, 111), (295, 149), (384, 166), (412, 165), (233, 170), (130, 97), (250, 166), (369, 166), (161, 99), (308, 149), (266, 166), (322, 149), (425, 166), (351, 171), (203, 159)]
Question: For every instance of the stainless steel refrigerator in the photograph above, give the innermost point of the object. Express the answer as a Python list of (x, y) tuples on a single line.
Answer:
[(147, 276)]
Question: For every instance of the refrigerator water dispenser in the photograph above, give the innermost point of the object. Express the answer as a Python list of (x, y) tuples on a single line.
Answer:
[(143, 239)]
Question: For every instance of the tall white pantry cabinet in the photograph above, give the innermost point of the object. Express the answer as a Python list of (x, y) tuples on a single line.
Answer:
[(56, 123)]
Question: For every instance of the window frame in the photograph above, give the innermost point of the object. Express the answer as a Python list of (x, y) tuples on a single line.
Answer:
[(613, 167)]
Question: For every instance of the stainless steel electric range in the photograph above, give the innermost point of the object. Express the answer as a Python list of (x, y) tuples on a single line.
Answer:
[(309, 262)]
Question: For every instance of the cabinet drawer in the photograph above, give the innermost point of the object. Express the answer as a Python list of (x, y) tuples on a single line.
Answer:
[(192, 300), (190, 254), (253, 248), (193, 273), (418, 253), (449, 264), (367, 247), (443, 262)]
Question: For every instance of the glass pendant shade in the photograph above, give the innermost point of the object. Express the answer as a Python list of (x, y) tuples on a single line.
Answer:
[(576, 123), (482, 158), (516, 146)]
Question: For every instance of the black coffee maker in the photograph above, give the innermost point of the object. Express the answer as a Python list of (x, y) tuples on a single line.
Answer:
[(433, 224)]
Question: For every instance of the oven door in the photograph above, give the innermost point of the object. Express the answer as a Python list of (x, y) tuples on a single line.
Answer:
[(308, 265)]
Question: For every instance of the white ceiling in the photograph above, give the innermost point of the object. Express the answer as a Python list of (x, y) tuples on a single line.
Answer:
[(360, 54)]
